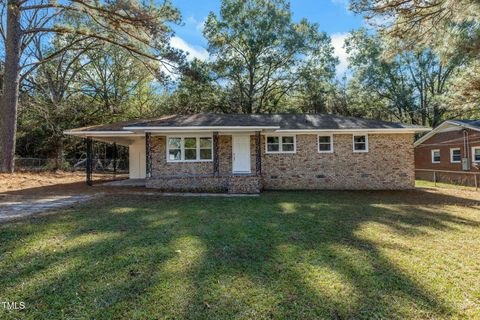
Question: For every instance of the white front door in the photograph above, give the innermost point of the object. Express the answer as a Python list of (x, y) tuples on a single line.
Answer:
[(241, 153), (137, 162)]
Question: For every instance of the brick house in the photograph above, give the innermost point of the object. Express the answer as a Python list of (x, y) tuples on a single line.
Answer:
[(450, 153), (246, 153)]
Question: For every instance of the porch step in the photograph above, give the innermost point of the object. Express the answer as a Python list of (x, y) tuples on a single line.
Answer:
[(126, 183)]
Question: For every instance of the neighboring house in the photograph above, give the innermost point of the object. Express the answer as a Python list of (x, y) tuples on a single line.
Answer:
[(450, 153), (246, 153)]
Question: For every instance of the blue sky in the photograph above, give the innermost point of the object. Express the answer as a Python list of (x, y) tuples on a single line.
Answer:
[(332, 16)]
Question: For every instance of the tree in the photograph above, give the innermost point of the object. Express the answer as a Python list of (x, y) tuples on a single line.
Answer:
[(464, 94), (412, 82), (197, 91), (118, 85), (315, 84), (446, 25), (259, 53), (51, 98), (138, 27), (80, 87), (451, 28)]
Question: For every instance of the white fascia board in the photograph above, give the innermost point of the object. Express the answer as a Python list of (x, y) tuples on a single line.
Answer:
[(444, 125), (199, 128), (101, 133), (350, 131)]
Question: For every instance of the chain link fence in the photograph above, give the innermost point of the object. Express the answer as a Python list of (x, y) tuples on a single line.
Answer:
[(100, 165)]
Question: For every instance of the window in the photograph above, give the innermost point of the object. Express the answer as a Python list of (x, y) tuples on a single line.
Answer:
[(325, 144), (280, 144), (191, 149), (205, 148), (175, 149), (476, 154), (360, 143), (455, 155), (436, 156)]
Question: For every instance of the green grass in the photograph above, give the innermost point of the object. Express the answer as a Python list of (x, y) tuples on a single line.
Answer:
[(430, 184), (284, 255)]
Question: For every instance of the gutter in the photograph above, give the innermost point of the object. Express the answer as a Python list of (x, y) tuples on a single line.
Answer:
[(139, 131), (199, 128), (349, 131), (100, 133)]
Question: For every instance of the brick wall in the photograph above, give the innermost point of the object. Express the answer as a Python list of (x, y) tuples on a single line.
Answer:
[(160, 166), (389, 164)]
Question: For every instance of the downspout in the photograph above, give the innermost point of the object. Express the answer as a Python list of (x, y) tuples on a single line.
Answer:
[(466, 147)]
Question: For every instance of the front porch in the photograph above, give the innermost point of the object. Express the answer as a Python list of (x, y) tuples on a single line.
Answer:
[(207, 183), (233, 161), (235, 164)]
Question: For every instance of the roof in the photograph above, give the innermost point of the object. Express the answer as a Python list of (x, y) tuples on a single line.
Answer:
[(467, 124), (278, 122)]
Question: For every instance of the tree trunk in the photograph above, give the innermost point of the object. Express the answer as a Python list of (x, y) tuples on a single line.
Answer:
[(9, 99), (59, 155)]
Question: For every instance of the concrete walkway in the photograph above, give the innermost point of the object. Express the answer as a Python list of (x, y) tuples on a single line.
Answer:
[(17, 206)]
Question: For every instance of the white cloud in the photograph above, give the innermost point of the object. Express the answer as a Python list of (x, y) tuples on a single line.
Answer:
[(193, 22), (193, 51), (342, 3), (201, 24), (338, 41)]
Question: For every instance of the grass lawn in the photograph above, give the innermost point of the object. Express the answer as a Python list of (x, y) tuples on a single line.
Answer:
[(305, 255), (430, 184)]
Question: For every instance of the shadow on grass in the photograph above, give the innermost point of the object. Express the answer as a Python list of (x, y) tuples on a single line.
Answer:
[(282, 255)]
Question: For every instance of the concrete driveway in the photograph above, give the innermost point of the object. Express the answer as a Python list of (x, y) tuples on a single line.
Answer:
[(16, 206)]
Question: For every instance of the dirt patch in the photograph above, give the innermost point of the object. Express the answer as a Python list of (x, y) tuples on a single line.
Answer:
[(25, 180), (48, 182)]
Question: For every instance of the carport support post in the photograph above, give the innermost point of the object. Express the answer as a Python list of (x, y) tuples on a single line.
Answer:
[(115, 160), (89, 166), (215, 154), (148, 157), (258, 155)]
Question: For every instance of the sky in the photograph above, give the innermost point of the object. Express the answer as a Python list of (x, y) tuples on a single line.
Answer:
[(333, 17)]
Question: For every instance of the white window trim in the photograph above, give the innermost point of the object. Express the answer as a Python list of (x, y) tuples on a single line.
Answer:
[(366, 143), (182, 148), (433, 158), (451, 155), (280, 147), (331, 143), (473, 154)]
